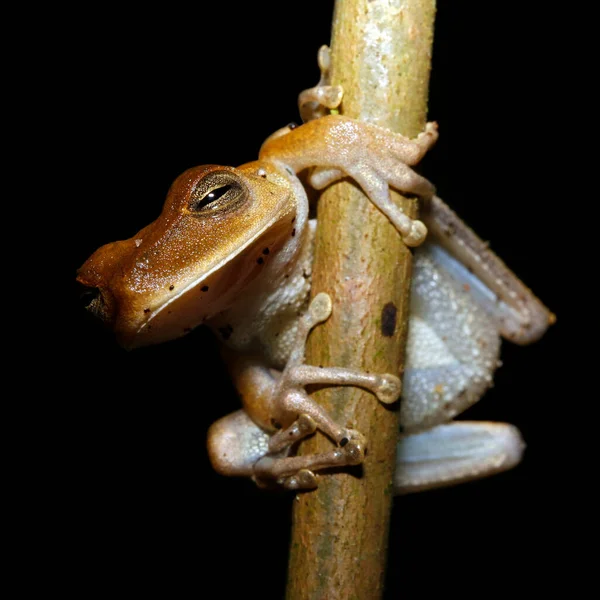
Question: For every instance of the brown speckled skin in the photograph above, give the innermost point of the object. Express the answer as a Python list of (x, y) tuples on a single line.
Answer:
[(151, 284), (182, 250), (230, 247), (240, 260)]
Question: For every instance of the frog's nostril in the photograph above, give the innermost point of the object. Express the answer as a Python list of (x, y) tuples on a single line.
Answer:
[(88, 295)]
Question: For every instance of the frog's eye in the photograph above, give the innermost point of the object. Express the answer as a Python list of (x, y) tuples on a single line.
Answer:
[(220, 192)]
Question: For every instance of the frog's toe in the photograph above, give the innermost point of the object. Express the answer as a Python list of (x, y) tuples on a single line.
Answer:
[(320, 307), (302, 480), (388, 391)]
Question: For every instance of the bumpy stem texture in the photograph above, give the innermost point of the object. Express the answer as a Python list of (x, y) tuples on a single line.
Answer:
[(381, 55)]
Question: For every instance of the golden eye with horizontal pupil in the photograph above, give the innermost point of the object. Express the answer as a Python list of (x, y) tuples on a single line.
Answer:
[(219, 194)]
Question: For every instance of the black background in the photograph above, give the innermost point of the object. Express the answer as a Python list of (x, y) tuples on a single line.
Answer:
[(131, 503)]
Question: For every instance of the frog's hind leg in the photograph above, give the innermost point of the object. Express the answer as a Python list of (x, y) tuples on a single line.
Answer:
[(463, 299), (452, 348), (239, 447), (520, 316), (316, 102), (235, 443), (279, 410), (455, 453)]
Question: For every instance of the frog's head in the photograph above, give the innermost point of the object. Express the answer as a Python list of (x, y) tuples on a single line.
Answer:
[(218, 229)]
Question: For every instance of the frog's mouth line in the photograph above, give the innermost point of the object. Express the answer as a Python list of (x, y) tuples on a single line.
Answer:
[(207, 274)]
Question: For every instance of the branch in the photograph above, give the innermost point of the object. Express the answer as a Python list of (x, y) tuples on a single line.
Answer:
[(381, 52)]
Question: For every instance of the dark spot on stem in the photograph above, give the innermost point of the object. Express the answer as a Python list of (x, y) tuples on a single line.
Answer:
[(388, 319)]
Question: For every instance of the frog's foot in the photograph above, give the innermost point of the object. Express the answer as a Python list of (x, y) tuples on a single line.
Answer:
[(291, 400), (454, 453), (240, 445), (296, 472), (316, 102), (374, 157), (303, 426), (374, 182), (302, 480)]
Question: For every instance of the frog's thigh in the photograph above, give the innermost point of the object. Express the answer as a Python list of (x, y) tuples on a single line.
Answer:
[(235, 444), (452, 348), (455, 453)]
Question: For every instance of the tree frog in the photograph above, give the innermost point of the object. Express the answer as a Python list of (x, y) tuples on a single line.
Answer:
[(233, 249)]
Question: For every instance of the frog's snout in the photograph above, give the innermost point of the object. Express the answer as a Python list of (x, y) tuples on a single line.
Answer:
[(97, 302), (88, 295)]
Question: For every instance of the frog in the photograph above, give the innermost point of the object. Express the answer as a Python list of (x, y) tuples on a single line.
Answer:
[(233, 249)]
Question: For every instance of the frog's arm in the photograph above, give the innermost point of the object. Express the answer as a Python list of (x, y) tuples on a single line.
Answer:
[(374, 157)]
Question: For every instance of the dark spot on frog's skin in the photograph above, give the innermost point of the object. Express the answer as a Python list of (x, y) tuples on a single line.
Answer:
[(226, 331), (293, 220), (344, 441), (169, 312), (292, 125), (289, 170), (293, 232), (450, 230), (260, 260), (204, 288), (388, 319), (266, 251), (146, 310), (171, 287), (275, 424)]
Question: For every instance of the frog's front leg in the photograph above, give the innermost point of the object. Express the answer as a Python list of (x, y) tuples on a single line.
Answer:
[(280, 402), (374, 157)]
